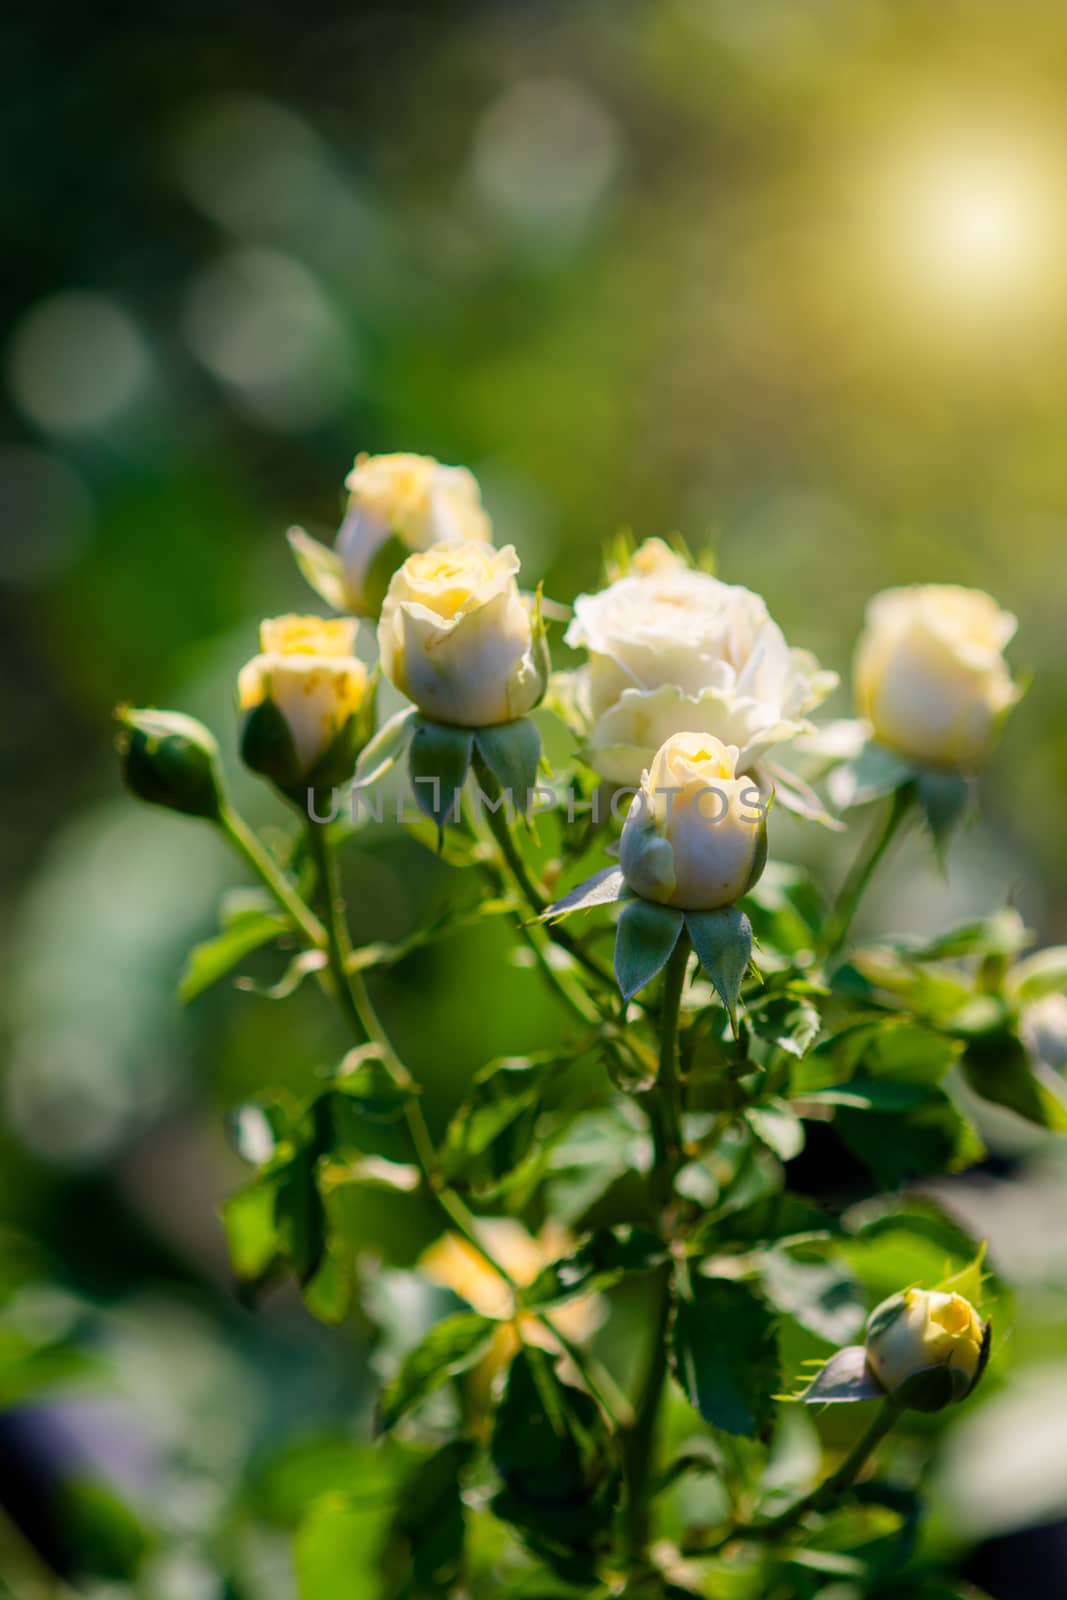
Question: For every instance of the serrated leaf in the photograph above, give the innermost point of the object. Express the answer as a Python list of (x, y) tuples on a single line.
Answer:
[(820, 1295), (1000, 1070), (602, 1260), (208, 962), (509, 1091), (723, 943), (439, 759), (844, 1377), (449, 1348), (512, 752), (602, 889), (724, 1352), (778, 1126), (644, 942), (385, 749)]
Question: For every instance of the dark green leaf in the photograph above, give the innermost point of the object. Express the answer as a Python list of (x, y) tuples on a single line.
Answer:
[(449, 1348), (723, 943), (212, 960), (776, 1216), (999, 1069), (932, 1138), (725, 1355), (599, 1262), (820, 1295), (644, 940), (506, 1092), (299, 1215), (366, 1082), (512, 752), (946, 799), (439, 758), (428, 1527)]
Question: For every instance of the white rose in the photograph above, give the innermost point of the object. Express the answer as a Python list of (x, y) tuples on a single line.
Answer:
[(930, 675), (673, 650), (412, 500), (920, 1331), (458, 639), (696, 834), (307, 672)]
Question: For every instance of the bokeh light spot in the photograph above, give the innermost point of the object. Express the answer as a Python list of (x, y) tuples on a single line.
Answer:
[(76, 359)]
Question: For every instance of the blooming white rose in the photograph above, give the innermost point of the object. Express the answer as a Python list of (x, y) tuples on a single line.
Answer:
[(929, 674), (308, 674), (458, 639), (696, 835), (922, 1331), (411, 499), (673, 650)]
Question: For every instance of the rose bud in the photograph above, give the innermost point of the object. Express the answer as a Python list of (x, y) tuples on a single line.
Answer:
[(306, 701), (696, 833), (170, 760), (459, 640), (397, 504), (927, 1348), (929, 673)]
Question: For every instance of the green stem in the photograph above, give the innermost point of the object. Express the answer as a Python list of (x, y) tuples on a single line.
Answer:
[(531, 892), (271, 875), (855, 885), (667, 1139), (824, 1496)]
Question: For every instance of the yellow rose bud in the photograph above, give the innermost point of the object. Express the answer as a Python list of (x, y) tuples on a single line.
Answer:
[(315, 689), (929, 674), (696, 833), (458, 639), (926, 1347), (397, 504)]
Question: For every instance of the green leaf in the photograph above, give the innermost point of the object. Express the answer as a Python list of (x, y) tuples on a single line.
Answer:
[(428, 1527), (208, 962), (999, 1069), (601, 1261), (388, 557), (319, 566), (844, 1377), (364, 1080), (932, 1138), (385, 749), (267, 745), (248, 1218), (548, 1447), (774, 1217), (299, 1215), (512, 752), (449, 1348), (602, 889), (723, 943), (439, 758), (725, 1355), (644, 941), (875, 772), (946, 799), (779, 1127), (1043, 973), (820, 1295), (338, 1549), (870, 1094), (505, 1094)]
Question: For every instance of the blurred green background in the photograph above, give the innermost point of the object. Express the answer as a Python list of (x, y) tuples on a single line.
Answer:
[(788, 276)]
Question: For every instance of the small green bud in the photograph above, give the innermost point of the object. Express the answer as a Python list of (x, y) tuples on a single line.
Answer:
[(170, 760)]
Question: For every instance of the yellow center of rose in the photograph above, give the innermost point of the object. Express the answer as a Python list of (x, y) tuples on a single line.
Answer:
[(308, 636), (449, 582)]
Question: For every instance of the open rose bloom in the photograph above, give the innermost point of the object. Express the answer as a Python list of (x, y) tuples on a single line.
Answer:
[(672, 650)]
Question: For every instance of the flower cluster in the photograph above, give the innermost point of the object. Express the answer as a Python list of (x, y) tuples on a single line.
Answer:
[(656, 1145)]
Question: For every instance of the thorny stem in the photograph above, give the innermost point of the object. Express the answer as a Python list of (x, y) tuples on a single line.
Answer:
[(350, 992)]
